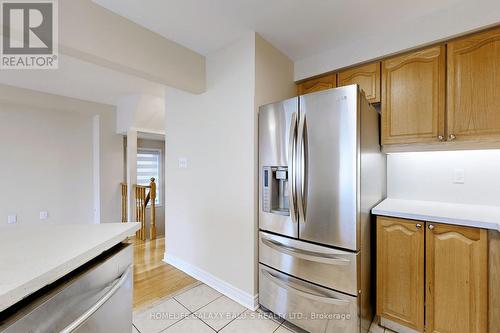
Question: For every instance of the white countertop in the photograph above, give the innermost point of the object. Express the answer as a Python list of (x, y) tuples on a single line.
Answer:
[(487, 217), (33, 256)]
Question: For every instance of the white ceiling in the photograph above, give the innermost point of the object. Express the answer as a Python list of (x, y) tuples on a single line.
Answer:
[(299, 28), (79, 79)]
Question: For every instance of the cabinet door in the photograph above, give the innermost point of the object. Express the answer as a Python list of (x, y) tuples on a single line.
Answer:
[(368, 78), (318, 84), (457, 282), (413, 97), (400, 271), (474, 87)]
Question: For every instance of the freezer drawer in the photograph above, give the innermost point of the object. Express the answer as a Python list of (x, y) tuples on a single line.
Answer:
[(328, 267), (97, 298), (308, 306)]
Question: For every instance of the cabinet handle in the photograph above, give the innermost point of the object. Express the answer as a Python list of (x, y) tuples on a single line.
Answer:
[(452, 137), (418, 225), (440, 138), (431, 227)]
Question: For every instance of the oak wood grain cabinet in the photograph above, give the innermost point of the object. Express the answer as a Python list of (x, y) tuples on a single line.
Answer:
[(321, 83), (368, 78), (413, 97), (451, 273), (457, 279), (400, 271), (473, 93)]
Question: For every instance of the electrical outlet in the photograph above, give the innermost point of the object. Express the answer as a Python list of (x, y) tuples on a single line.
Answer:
[(12, 219), (183, 163), (44, 215), (459, 176)]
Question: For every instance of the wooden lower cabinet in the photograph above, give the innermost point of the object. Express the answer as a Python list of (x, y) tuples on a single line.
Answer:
[(457, 279), (400, 271), (446, 264)]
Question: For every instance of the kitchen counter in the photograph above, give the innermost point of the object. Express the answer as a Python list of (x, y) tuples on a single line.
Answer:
[(487, 217), (33, 256)]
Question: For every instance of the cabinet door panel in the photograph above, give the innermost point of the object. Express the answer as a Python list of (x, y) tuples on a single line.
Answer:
[(368, 78), (400, 271), (457, 267), (318, 84), (474, 86), (413, 97)]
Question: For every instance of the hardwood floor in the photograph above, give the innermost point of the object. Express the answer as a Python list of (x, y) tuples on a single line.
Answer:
[(154, 279)]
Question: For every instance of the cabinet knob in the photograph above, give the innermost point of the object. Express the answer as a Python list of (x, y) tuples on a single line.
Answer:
[(431, 227), (440, 138), (452, 137), (418, 225)]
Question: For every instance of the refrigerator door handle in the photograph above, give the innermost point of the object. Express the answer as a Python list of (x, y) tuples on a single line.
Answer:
[(302, 173), (113, 288), (305, 254), (283, 284), (292, 143)]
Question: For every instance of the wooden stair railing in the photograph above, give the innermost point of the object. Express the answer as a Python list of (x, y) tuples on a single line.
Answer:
[(124, 188), (142, 198)]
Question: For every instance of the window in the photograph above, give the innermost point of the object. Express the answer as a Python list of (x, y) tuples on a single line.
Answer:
[(148, 166)]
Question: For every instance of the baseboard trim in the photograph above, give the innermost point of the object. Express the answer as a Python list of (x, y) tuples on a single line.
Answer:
[(247, 300)]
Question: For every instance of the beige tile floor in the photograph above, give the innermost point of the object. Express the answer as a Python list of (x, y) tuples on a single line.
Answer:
[(201, 309), (374, 328)]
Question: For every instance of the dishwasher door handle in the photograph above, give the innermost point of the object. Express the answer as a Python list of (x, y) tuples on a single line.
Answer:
[(114, 286)]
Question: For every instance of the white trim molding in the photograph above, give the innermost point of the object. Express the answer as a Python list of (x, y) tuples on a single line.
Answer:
[(247, 300)]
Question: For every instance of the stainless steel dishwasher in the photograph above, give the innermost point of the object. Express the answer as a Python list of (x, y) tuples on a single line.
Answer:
[(96, 298)]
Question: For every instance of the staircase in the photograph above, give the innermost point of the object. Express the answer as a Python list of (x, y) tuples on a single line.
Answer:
[(143, 195)]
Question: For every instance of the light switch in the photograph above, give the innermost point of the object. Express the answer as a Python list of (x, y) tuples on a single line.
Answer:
[(12, 219), (183, 163), (459, 176), (44, 215)]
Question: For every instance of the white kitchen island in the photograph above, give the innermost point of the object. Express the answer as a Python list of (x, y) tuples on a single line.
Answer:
[(34, 256)]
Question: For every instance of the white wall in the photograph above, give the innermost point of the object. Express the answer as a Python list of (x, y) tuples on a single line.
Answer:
[(46, 144), (143, 113), (429, 176), (111, 162), (211, 205), (383, 38)]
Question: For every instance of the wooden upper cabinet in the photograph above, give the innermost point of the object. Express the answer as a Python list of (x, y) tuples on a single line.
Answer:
[(368, 78), (413, 97), (457, 279), (318, 84), (474, 87), (400, 271)]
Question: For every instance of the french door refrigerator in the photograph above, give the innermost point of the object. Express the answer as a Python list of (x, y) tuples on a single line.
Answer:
[(321, 170)]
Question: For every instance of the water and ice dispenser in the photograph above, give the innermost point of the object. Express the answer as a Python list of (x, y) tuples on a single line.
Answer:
[(275, 190)]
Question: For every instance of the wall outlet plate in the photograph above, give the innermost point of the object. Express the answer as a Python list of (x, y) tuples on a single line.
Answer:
[(183, 163), (459, 176), (12, 219)]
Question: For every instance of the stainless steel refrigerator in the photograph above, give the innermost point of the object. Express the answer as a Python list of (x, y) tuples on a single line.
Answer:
[(321, 170)]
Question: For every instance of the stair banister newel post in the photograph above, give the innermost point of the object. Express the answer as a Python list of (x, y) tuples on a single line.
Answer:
[(152, 193)]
